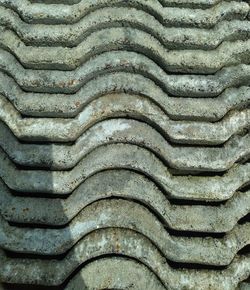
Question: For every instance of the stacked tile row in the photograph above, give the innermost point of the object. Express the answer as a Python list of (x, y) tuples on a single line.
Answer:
[(124, 144)]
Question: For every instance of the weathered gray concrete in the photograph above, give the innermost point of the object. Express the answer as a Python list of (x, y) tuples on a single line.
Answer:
[(124, 144), (170, 37), (194, 4), (120, 38), (120, 156), (125, 131), (54, 81), (115, 273), (178, 108), (128, 215), (169, 16), (129, 185), (65, 130), (98, 243)]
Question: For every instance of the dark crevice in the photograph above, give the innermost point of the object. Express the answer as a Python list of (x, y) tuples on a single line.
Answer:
[(245, 250), (245, 219)]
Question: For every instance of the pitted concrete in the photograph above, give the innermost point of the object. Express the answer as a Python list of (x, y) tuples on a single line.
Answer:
[(202, 4), (169, 16), (65, 130), (124, 144), (125, 131), (131, 39), (115, 273), (170, 37), (129, 185), (54, 81), (116, 241), (125, 156), (128, 215), (64, 105)]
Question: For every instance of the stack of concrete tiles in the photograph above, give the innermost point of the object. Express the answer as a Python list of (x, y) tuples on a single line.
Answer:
[(124, 144)]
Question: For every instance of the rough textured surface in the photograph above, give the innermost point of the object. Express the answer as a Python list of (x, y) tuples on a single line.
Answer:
[(125, 131), (128, 185), (124, 144), (128, 243), (115, 273)]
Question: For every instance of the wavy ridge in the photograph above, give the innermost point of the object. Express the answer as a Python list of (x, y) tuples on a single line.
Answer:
[(72, 81), (118, 273), (62, 105), (115, 241), (194, 4), (137, 187), (138, 77), (136, 275), (125, 156), (171, 16), (171, 38), (64, 130), (126, 215), (126, 38), (61, 157)]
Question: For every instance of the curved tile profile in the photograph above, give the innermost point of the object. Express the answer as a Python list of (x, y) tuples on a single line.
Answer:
[(128, 215), (170, 16), (64, 105), (124, 142), (119, 267), (126, 38), (125, 156), (115, 273), (124, 131), (171, 38), (123, 61), (128, 185), (117, 241), (66, 130)]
